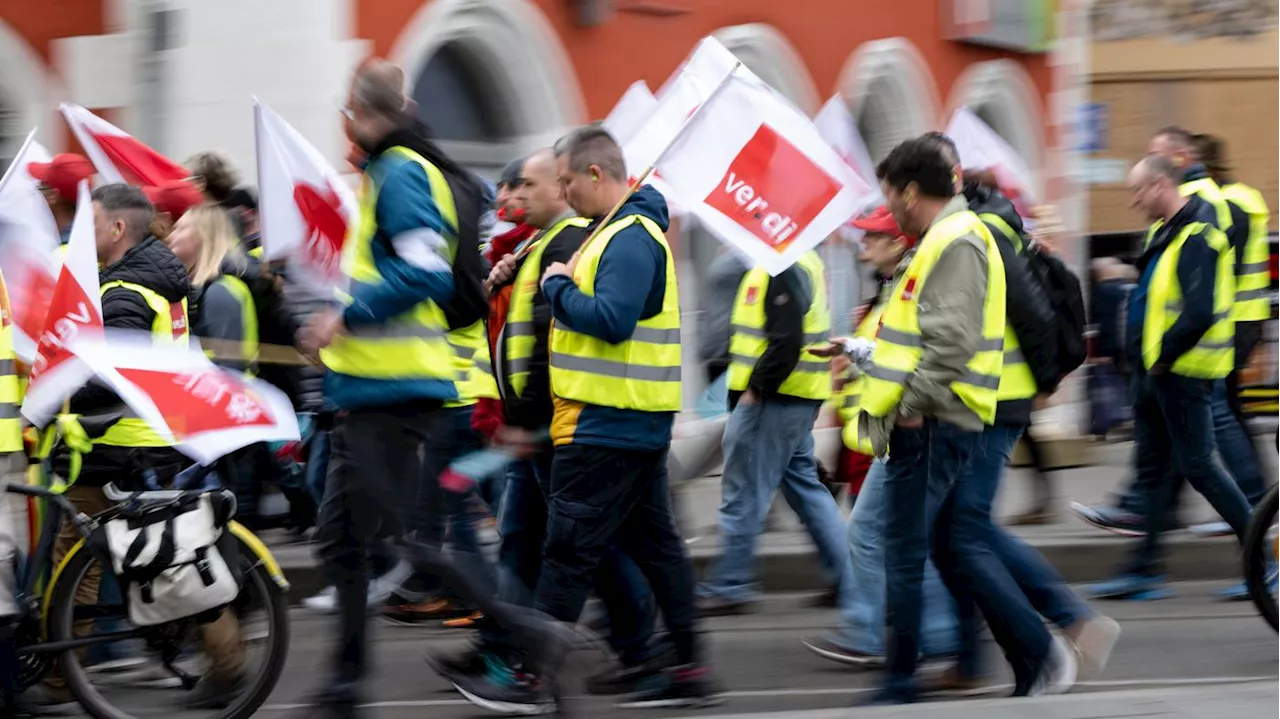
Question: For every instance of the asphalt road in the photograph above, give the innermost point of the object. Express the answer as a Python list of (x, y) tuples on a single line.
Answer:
[(1221, 655)]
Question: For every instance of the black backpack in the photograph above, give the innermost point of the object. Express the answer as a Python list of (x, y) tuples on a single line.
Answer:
[(471, 200), (1062, 288)]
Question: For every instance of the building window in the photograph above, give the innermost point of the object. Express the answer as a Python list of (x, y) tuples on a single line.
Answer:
[(11, 132), (767, 53), (891, 93), (1003, 96), (455, 98)]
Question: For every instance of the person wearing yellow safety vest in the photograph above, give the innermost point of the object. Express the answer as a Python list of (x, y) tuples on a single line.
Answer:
[(1181, 342), (13, 460), (615, 379), (522, 373), (390, 364), (776, 387), (860, 638), (144, 288)]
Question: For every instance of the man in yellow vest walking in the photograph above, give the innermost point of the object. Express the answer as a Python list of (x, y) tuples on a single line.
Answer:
[(615, 379), (1181, 342), (776, 387), (930, 387)]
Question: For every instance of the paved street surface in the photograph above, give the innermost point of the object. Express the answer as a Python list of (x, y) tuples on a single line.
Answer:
[(1189, 656)]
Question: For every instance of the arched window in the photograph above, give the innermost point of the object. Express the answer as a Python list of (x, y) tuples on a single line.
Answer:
[(455, 98), (891, 93), (11, 132), (767, 53), (1003, 96)]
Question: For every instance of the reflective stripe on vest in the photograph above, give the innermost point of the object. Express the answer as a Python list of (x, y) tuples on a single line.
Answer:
[(10, 387), (411, 345), (1253, 278), (518, 333), (811, 378), (171, 327), (248, 319), (640, 373), (472, 366), (899, 343), (1214, 355), (996, 223)]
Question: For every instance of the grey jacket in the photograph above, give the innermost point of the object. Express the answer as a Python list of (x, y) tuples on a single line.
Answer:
[(950, 328), (724, 276)]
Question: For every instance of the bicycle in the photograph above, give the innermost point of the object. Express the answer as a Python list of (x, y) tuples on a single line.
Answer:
[(45, 630), (1262, 557)]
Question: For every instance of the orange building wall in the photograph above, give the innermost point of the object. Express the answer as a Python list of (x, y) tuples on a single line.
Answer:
[(633, 46), (43, 21)]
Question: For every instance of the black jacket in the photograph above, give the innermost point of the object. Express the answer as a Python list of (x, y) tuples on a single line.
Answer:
[(1028, 309), (786, 301), (533, 409), (217, 314), (151, 265)]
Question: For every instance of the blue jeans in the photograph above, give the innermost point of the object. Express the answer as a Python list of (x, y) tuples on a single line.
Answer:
[(863, 619), (522, 522), (987, 569), (318, 465), (1174, 438), (1235, 447), (769, 445), (924, 464)]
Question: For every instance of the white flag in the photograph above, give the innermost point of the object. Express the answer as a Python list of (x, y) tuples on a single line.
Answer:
[(981, 148), (28, 244), (836, 125), (117, 155), (629, 115), (766, 181), (306, 210)]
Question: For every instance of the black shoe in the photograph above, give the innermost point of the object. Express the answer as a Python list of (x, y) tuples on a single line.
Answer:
[(449, 665), (213, 693), (717, 607), (40, 700), (828, 649), (688, 687), (1117, 521), (885, 698), (503, 690), (829, 599), (622, 679)]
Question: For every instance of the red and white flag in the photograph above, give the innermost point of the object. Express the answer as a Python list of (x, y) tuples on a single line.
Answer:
[(624, 123), (75, 312), (28, 248), (982, 149), (768, 184), (305, 207), (205, 410), (836, 125), (117, 155)]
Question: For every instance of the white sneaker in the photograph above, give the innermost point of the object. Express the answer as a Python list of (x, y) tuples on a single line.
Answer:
[(326, 602), (1211, 529), (1059, 672), (380, 590), (1094, 639)]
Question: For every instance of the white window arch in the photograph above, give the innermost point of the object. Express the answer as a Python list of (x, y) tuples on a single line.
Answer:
[(767, 53), (1002, 94), (890, 92), (29, 96), (508, 63)]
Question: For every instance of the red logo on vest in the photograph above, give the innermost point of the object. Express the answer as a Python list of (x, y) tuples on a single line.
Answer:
[(753, 294), (772, 190), (909, 291), (177, 320)]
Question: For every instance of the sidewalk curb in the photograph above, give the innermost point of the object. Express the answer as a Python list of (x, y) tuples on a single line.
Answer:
[(1079, 561)]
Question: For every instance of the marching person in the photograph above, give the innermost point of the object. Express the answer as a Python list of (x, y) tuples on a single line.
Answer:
[(171, 201), (58, 180), (615, 379), (1181, 342)]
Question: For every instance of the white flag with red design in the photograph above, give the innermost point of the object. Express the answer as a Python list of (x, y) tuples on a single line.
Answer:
[(305, 207), (768, 184), (75, 312), (624, 123), (205, 410), (28, 246), (117, 155), (981, 148), (836, 125)]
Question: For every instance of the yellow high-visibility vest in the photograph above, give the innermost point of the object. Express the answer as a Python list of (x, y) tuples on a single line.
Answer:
[(1016, 380), (848, 396), (248, 319), (10, 387), (472, 365), (411, 345), (899, 343), (170, 328), (640, 373), (811, 378), (1206, 189), (1214, 355), (1253, 282), (518, 337)]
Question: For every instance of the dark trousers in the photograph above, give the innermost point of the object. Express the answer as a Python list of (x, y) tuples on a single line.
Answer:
[(619, 584), (923, 466), (602, 497), (1174, 438)]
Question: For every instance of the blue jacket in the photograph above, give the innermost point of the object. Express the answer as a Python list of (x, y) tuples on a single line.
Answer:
[(412, 249), (1197, 275), (629, 286)]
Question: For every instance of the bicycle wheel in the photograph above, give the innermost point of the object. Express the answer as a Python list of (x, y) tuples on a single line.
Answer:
[(258, 594), (1260, 557)]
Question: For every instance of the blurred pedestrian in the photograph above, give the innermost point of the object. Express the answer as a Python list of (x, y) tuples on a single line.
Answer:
[(171, 201), (59, 180)]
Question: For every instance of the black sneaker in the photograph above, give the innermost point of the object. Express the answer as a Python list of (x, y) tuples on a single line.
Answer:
[(1116, 521), (449, 665), (828, 649), (213, 693), (502, 690), (686, 687), (622, 679)]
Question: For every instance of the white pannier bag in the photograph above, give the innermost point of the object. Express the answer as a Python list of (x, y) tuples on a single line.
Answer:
[(167, 555)]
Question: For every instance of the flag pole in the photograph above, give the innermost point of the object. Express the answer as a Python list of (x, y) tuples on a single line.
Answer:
[(684, 127)]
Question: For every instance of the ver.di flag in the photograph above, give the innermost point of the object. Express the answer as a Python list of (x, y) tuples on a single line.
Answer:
[(75, 311), (205, 410), (981, 148), (28, 247), (117, 155), (768, 184), (305, 207)]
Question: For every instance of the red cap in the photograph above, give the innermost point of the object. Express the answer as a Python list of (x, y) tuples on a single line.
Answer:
[(63, 173), (174, 198)]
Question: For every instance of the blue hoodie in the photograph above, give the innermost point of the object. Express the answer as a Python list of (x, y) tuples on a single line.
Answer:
[(630, 283)]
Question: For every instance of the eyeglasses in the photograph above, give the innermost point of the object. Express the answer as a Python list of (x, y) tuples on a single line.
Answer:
[(345, 111)]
